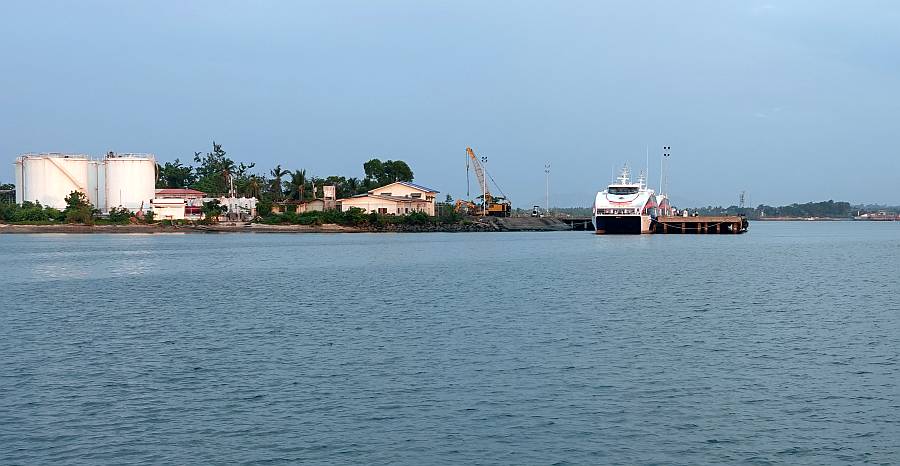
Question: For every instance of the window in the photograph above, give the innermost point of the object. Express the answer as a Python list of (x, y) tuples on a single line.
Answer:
[(416, 195), (382, 210), (385, 194), (622, 190)]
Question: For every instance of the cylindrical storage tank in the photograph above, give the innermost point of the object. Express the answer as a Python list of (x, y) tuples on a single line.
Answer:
[(49, 178), (19, 176), (93, 193), (130, 181)]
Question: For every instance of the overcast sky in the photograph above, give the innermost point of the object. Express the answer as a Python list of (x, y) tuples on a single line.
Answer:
[(791, 101)]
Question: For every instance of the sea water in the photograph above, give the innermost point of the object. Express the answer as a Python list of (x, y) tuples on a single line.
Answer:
[(780, 346)]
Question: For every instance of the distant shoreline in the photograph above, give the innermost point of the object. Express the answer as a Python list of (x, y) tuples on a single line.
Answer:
[(235, 228), (157, 229)]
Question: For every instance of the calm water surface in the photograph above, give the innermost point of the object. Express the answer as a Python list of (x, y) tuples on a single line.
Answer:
[(781, 346)]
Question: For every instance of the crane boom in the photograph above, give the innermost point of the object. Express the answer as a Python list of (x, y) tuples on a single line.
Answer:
[(479, 172)]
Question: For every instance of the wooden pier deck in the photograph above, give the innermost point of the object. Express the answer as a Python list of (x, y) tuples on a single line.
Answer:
[(700, 225)]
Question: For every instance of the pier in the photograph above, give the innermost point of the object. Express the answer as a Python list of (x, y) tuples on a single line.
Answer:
[(728, 224), (732, 224)]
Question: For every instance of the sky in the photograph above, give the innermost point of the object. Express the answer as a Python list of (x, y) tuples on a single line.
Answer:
[(790, 101)]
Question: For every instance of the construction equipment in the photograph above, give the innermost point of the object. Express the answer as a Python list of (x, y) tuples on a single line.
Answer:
[(497, 206)]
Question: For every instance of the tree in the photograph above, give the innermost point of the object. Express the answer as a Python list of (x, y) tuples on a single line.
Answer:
[(353, 186), (78, 209), (212, 209), (397, 170), (175, 175), (382, 173), (213, 171), (374, 170), (277, 175), (297, 185), (254, 186)]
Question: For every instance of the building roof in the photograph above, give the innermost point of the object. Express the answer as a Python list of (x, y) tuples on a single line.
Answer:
[(410, 185), (296, 202), (180, 192), (388, 198)]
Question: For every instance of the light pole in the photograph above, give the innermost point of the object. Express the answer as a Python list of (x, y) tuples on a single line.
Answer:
[(484, 194), (666, 153), (547, 200)]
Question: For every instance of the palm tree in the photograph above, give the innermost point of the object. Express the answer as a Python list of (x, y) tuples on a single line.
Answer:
[(277, 173), (297, 184), (228, 168), (353, 185), (254, 186)]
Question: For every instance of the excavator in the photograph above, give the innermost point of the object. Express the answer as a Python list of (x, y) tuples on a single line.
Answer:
[(496, 206)]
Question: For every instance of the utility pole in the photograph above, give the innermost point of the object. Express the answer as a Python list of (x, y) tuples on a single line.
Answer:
[(484, 200), (547, 200), (665, 177)]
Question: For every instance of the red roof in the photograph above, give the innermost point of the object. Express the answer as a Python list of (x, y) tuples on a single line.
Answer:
[(181, 192)]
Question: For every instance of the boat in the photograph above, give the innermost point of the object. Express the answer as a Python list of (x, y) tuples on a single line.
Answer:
[(627, 207)]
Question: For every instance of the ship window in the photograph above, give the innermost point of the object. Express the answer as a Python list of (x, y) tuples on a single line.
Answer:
[(620, 190)]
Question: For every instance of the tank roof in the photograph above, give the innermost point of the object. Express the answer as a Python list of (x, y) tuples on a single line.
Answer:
[(62, 155)]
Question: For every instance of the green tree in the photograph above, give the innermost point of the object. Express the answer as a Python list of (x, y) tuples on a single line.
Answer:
[(254, 186), (397, 170), (353, 186), (382, 173), (297, 185), (78, 209), (278, 174), (175, 175), (212, 209), (374, 170), (120, 215), (215, 171)]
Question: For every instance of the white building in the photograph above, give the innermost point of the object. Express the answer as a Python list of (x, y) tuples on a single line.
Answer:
[(168, 208), (398, 198)]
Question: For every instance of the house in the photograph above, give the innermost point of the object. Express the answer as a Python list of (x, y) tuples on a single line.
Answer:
[(192, 201), (398, 198), (168, 208)]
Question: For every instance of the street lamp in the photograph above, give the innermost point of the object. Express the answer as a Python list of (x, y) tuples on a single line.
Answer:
[(484, 194), (547, 205)]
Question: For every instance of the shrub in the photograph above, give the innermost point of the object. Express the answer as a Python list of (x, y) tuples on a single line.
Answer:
[(120, 215)]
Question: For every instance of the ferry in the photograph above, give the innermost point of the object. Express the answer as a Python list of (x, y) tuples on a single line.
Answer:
[(627, 207)]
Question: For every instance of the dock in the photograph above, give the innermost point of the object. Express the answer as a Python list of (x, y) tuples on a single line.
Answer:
[(732, 224), (726, 224)]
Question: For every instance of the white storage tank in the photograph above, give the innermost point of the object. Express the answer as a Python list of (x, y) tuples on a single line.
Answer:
[(48, 178), (129, 179)]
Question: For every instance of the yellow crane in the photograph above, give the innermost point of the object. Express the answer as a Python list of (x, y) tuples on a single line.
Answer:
[(498, 206)]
